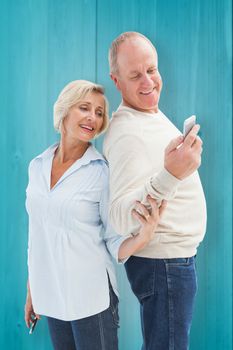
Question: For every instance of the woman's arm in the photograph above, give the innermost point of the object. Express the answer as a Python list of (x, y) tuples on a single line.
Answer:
[(149, 222), (123, 246), (29, 314)]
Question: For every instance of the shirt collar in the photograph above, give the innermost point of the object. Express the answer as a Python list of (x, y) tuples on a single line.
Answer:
[(122, 108), (90, 154)]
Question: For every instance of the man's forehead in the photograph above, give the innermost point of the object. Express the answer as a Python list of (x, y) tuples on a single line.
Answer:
[(136, 42), (135, 56)]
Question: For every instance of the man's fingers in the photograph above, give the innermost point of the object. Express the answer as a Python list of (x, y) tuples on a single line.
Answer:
[(197, 145), (192, 136), (174, 144)]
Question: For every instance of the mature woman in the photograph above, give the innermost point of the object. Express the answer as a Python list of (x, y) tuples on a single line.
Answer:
[(71, 273)]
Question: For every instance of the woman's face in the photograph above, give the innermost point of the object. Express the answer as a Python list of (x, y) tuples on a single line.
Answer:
[(85, 119)]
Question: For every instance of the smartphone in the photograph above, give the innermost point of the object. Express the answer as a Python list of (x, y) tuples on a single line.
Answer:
[(188, 124), (33, 325)]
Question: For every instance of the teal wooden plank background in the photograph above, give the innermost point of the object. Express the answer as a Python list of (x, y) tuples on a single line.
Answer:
[(44, 45)]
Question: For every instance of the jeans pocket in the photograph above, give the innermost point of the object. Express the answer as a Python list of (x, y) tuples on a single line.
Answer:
[(141, 276), (181, 274)]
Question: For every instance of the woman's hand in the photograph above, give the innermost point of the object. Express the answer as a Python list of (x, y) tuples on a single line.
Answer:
[(148, 220), (29, 314)]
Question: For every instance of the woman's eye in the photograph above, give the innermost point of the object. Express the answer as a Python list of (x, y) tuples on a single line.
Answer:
[(100, 114), (83, 108)]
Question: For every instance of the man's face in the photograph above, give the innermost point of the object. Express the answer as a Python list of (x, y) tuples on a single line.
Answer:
[(138, 78)]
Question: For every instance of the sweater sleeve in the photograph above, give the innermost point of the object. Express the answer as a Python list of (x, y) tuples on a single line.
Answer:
[(129, 181)]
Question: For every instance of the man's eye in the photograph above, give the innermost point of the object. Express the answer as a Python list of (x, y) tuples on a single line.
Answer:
[(135, 77), (152, 71)]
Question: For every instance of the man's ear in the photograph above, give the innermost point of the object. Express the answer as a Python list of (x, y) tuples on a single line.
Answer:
[(115, 80)]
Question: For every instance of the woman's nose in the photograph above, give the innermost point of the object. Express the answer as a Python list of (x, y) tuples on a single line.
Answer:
[(91, 115)]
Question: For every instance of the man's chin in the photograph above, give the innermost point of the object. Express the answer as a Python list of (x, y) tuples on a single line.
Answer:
[(151, 107)]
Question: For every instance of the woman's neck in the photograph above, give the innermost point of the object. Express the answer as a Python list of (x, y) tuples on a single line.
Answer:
[(70, 151)]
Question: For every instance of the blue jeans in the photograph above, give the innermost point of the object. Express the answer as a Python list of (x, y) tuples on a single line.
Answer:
[(97, 332), (166, 290)]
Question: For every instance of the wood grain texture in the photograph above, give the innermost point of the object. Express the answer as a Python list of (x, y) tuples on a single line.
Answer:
[(44, 45)]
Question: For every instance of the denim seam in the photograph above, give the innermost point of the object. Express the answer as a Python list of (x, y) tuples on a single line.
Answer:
[(113, 308), (170, 310), (188, 262), (115, 316), (101, 332), (154, 277)]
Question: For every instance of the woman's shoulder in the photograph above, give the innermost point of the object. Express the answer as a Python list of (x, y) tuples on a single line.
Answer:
[(34, 162), (99, 165), (97, 158)]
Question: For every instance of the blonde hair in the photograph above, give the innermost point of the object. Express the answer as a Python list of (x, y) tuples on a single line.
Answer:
[(113, 51), (71, 94)]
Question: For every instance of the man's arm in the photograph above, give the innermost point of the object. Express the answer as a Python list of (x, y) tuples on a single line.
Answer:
[(121, 248), (130, 180)]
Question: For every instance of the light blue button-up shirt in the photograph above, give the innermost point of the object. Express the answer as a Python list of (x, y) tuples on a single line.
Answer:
[(70, 240)]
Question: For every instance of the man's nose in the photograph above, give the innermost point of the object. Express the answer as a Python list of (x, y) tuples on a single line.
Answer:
[(147, 80)]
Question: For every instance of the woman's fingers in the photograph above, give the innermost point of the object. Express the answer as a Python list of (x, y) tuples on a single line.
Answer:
[(29, 315), (162, 207), (143, 210), (139, 217), (143, 215), (27, 321), (154, 207)]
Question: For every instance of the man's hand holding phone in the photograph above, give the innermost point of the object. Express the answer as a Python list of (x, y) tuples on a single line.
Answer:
[(183, 154)]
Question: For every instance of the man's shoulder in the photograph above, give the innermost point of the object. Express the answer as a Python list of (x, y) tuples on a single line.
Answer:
[(124, 113), (123, 121), (121, 128)]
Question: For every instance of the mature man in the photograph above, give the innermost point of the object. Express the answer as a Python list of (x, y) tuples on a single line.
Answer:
[(148, 155)]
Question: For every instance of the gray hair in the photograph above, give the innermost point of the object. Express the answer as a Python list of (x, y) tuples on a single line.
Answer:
[(71, 94), (113, 51)]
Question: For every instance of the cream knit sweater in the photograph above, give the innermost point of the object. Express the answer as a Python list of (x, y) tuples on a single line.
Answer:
[(134, 147)]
